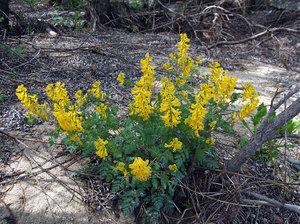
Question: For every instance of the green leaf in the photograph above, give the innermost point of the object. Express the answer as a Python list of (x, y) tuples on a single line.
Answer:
[(154, 182), (243, 142), (246, 125), (20, 50), (129, 148), (261, 112), (164, 180)]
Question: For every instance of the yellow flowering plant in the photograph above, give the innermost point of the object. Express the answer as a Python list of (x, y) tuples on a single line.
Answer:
[(151, 150)]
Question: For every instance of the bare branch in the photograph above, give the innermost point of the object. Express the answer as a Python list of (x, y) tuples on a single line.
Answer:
[(293, 208), (253, 37)]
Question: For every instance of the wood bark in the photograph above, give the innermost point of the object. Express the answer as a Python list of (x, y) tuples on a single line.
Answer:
[(4, 12), (266, 131)]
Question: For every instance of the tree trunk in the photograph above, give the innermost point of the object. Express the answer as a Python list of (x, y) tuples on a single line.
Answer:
[(4, 12), (266, 132), (100, 11)]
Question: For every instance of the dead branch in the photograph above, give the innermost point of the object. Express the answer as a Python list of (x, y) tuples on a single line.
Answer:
[(293, 208), (267, 31), (18, 139)]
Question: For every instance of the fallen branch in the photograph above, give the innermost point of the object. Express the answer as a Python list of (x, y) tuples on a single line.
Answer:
[(293, 208), (272, 30)]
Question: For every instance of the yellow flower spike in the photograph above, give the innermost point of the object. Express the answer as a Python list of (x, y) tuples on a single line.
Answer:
[(121, 78), (210, 141), (68, 120), (101, 149), (59, 94), (248, 91), (96, 91), (142, 91), (31, 102), (169, 101), (80, 98), (102, 110), (173, 168), (174, 144), (140, 169), (212, 125)]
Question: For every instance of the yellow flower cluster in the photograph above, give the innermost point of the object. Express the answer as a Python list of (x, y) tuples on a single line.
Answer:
[(96, 91), (169, 101), (121, 167), (69, 121), (224, 85), (31, 102), (142, 91), (210, 141), (101, 149), (68, 118), (250, 106), (173, 168), (140, 169), (102, 110), (174, 144), (121, 78), (59, 94), (81, 99)]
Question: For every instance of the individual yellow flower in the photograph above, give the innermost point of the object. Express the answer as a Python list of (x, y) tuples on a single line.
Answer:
[(210, 141), (248, 91), (184, 94), (101, 149), (142, 91), (75, 138), (180, 81), (174, 144), (121, 167), (96, 91), (169, 101), (212, 125), (121, 78), (102, 110), (80, 98), (167, 66), (59, 94), (199, 60), (140, 169), (173, 168)]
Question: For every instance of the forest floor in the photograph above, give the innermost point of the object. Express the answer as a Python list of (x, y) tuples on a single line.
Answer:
[(39, 184)]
